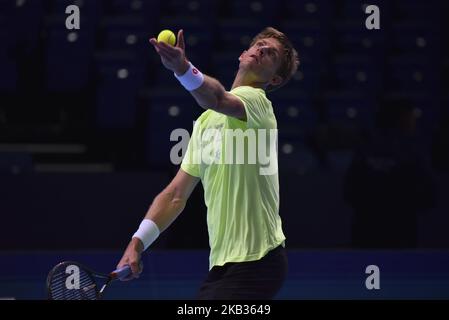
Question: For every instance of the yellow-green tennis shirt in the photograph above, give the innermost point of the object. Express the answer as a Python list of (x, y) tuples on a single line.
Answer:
[(241, 183)]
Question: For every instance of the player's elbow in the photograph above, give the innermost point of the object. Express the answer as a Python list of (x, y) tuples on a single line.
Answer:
[(210, 103), (215, 97)]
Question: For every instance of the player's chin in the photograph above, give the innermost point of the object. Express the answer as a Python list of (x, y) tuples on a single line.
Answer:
[(252, 68)]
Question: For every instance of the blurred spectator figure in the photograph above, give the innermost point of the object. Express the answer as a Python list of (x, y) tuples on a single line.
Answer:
[(389, 181)]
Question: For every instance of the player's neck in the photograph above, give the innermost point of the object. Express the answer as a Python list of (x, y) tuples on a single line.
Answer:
[(247, 79)]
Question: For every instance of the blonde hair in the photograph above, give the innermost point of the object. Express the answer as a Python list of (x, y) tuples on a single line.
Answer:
[(290, 60)]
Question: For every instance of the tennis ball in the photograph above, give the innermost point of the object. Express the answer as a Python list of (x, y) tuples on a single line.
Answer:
[(167, 36)]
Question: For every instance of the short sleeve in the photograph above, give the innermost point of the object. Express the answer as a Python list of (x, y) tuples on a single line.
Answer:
[(257, 106)]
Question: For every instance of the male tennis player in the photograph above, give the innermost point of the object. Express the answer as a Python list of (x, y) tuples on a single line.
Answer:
[(247, 257)]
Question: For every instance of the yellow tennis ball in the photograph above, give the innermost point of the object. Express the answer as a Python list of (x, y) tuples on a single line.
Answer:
[(167, 36)]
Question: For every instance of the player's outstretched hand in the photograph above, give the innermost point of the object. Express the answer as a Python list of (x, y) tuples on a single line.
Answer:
[(173, 57)]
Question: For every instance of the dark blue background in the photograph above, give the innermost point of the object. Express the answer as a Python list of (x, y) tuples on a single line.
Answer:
[(86, 116)]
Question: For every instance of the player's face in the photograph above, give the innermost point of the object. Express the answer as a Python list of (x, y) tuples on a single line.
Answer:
[(263, 59)]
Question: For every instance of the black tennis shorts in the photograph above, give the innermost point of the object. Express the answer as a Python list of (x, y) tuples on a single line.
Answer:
[(254, 280)]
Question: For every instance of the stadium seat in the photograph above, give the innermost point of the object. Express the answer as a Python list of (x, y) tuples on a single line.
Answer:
[(199, 38), (236, 34), (310, 75), (427, 108), (413, 72), (350, 109), (352, 39), (295, 156), (417, 37), (149, 11), (412, 11), (90, 10), (204, 10), (356, 10), (295, 113), (359, 72), (225, 67), (26, 18), (68, 55), (311, 39), (9, 78), (119, 83), (446, 73), (321, 11), (15, 163), (260, 10), (169, 108), (126, 33)]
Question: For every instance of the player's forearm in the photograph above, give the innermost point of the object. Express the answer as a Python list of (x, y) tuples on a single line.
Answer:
[(209, 94), (165, 209)]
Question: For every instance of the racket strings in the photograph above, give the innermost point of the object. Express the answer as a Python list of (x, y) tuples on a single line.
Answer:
[(61, 290)]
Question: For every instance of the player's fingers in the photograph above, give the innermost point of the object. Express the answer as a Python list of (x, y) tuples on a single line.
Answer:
[(172, 52), (181, 43), (163, 48), (134, 267), (139, 271), (155, 45), (169, 54), (164, 53), (140, 266), (163, 45), (127, 278), (123, 262)]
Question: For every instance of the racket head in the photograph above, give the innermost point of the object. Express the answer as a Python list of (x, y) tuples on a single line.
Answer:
[(70, 280)]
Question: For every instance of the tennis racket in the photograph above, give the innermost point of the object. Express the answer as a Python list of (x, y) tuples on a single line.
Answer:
[(71, 280)]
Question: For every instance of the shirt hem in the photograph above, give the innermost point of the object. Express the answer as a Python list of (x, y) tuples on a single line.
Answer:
[(248, 258)]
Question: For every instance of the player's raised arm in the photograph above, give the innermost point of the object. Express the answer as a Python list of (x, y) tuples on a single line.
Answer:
[(207, 91)]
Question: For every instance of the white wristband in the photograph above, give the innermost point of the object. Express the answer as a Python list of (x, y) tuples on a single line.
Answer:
[(192, 79), (147, 233)]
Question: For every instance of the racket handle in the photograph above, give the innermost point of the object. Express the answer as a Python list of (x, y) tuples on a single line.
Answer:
[(122, 273)]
